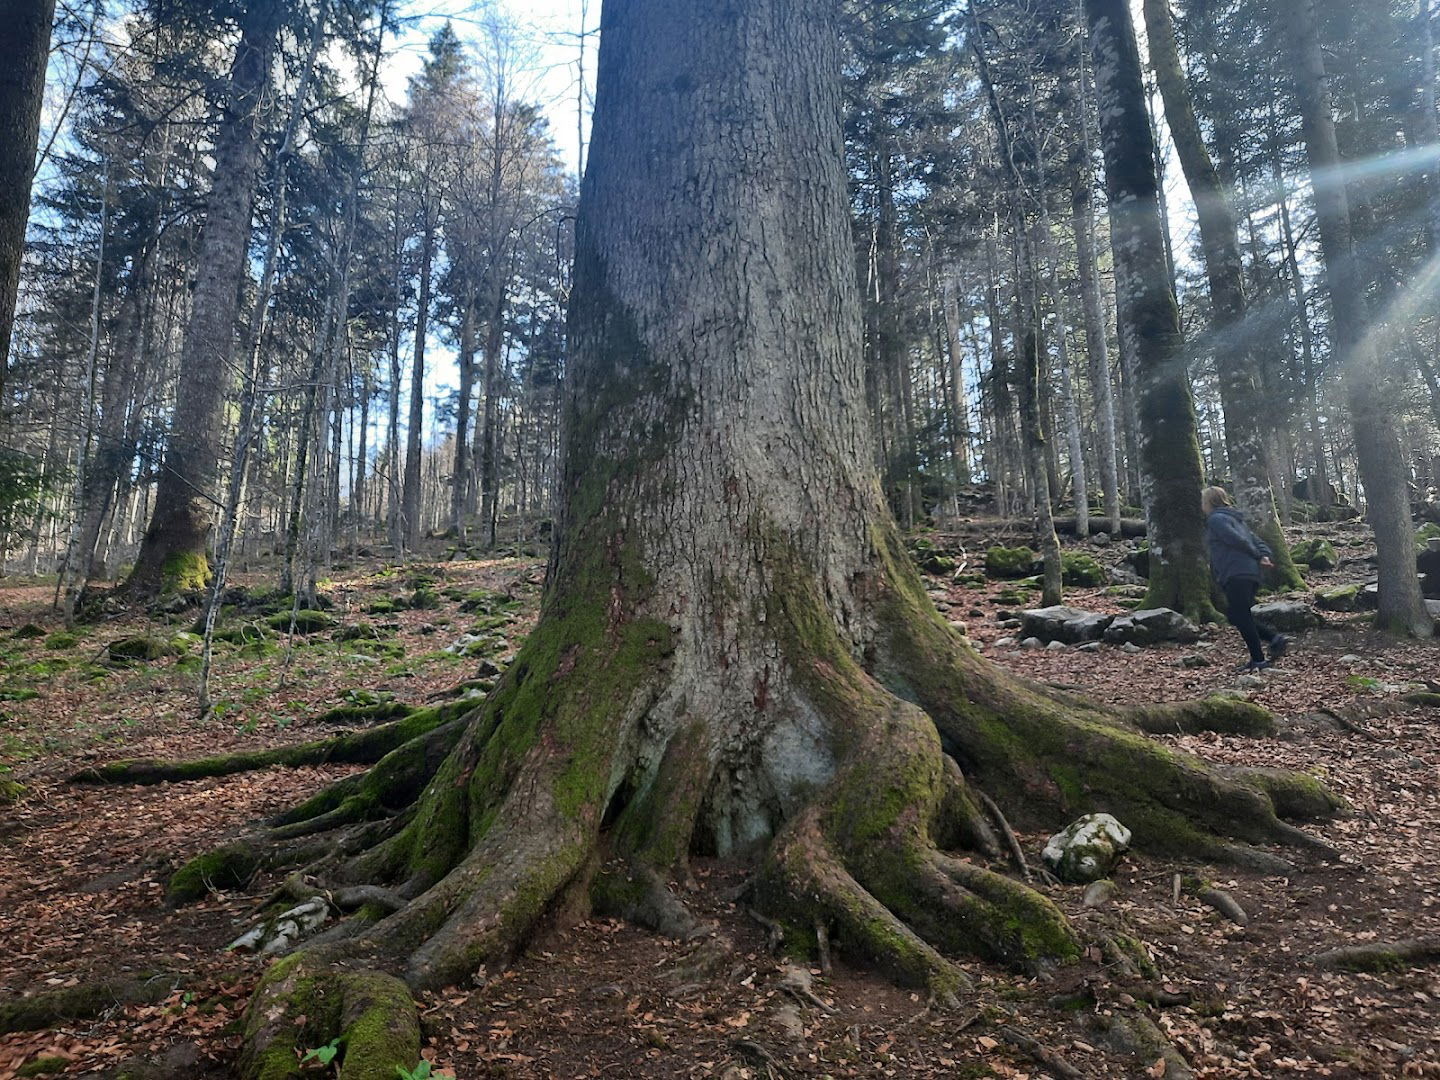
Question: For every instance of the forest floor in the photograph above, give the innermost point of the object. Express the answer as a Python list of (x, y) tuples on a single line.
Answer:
[(83, 869)]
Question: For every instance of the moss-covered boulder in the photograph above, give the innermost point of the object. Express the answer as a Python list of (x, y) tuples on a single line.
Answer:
[(383, 607), (307, 621), (142, 648), (62, 639), (424, 598), (1339, 598), (1010, 562), (1316, 553), (29, 632), (1081, 570)]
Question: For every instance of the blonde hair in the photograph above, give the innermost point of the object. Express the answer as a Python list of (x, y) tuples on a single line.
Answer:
[(1212, 498)]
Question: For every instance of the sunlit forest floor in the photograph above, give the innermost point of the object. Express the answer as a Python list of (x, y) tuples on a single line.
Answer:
[(83, 868)]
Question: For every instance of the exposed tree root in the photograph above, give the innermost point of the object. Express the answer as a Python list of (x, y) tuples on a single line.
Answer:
[(1057, 755), (1381, 956), (471, 833), (1049, 1060), (300, 1004), (353, 748), (83, 1002)]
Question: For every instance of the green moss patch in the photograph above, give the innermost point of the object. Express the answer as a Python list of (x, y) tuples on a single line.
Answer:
[(1008, 562)]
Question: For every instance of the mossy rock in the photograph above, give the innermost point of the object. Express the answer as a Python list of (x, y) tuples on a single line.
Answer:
[(1020, 595), (62, 639), (228, 867), (362, 632), (1008, 562), (10, 790), (1423, 535), (245, 633), (1129, 592), (142, 648), (424, 599), (934, 563), (29, 632), (307, 621), (43, 1066), (1316, 553), (1340, 598), (1077, 568), (972, 579), (383, 607)]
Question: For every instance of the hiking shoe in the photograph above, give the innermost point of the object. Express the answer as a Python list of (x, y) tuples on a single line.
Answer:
[(1258, 665), (1279, 646)]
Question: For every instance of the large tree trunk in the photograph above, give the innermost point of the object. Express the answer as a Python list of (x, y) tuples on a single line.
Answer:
[(1169, 449), (1236, 356), (172, 555), (733, 651), (1369, 382), (25, 45)]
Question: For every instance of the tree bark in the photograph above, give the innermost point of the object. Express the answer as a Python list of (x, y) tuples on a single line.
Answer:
[(1169, 449), (25, 44), (1369, 382), (172, 555), (1236, 358), (411, 524)]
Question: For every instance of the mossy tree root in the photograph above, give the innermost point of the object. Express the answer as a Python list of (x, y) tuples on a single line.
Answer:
[(355, 812), (1048, 755), (866, 861), (301, 1004), (363, 747), (83, 1002)]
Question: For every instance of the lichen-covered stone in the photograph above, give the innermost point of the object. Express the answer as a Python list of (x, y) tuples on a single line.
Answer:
[(1087, 849)]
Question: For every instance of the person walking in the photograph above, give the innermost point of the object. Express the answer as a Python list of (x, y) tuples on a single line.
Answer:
[(1237, 559)]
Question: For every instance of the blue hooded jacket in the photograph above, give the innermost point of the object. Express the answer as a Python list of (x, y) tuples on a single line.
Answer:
[(1235, 551)]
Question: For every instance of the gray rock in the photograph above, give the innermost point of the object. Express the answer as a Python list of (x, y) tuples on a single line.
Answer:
[(1287, 616), (281, 933), (1055, 646), (1089, 646), (1098, 893), (1087, 849), (1032, 643), (1350, 658), (1250, 682), (1130, 647), (1151, 625), (1123, 575), (1067, 624), (1004, 642), (1193, 661)]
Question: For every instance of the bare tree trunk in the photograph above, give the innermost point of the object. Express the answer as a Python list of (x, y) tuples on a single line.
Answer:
[(25, 45), (412, 525), (1171, 472), (172, 556), (1236, 359), (1369, 381), (460, 473)]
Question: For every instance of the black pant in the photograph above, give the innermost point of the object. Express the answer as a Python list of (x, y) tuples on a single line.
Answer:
[(1239, 599)]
